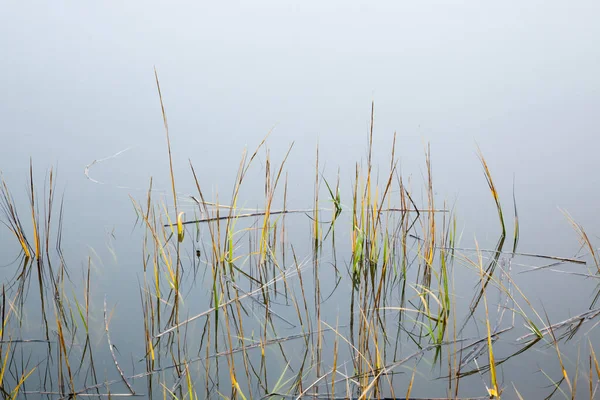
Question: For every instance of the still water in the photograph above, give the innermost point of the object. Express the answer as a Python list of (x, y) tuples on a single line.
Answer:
[(517, 81)]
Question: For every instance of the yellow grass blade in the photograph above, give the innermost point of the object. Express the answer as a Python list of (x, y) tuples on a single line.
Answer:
[(180, 231)]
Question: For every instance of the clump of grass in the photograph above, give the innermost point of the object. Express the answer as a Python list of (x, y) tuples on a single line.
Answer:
[(244, 311)]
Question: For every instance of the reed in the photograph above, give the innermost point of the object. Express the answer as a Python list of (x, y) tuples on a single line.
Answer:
[(370, 303)]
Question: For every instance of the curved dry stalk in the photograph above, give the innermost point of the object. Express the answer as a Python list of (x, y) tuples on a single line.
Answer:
[(112, 351)]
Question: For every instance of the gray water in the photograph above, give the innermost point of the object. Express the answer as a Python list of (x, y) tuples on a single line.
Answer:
[(518, 80)]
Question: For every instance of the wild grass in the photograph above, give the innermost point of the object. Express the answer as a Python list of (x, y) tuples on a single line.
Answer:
[(374, 302)]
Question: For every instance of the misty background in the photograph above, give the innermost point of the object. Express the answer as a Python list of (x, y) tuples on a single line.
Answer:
[(518, 79)]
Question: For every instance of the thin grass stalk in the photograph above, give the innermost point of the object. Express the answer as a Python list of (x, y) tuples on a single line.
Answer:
[(494, 391), (317, 281)]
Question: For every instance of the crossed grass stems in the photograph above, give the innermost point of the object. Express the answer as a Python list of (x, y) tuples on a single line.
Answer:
[(402, 311)]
